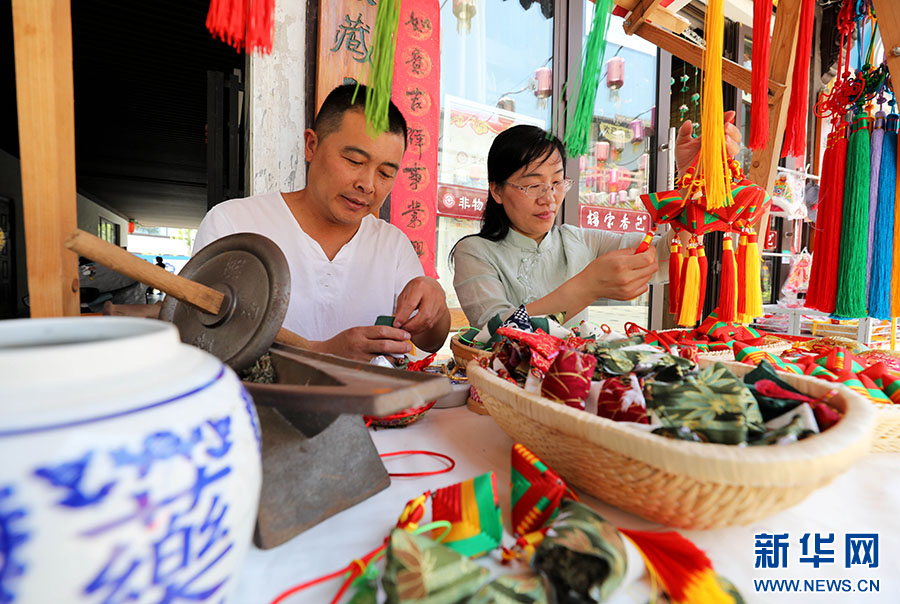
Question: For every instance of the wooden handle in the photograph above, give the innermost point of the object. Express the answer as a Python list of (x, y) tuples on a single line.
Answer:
[(185, 290), (121, 261)]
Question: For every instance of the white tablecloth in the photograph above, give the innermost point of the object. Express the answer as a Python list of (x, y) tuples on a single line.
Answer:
[(866, 499)]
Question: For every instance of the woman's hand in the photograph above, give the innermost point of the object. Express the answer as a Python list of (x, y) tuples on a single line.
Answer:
[(619, 274), (687, 147)]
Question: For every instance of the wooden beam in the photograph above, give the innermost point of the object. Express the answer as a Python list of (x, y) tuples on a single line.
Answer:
[(888, 12), (664, 16), (639, 13), (736, 75), (43, 46)]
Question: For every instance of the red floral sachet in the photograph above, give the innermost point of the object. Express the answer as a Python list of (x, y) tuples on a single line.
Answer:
[(622, 400), (569, 379)]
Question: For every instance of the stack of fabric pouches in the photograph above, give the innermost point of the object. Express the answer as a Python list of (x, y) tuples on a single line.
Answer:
[(564, 551)]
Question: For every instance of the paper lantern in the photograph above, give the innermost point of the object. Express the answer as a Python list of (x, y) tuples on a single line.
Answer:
[(615, 73), (543, 82), (637, 130), (130, 227), (601, 150), (464, 10)]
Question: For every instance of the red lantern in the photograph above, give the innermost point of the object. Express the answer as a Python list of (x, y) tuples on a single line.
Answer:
[(130, 227)]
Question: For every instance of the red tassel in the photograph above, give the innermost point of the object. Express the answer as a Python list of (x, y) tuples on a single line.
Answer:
[(795, 127), (759, 108), (827, 247), (728, 282), (816, 271), (704, 270), (682, 278), (742, 274), (243, 23), (674, 277)]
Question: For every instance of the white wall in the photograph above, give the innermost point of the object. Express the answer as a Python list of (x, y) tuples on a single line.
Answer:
[(277, 106)]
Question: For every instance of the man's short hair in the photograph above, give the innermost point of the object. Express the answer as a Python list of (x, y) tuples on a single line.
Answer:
[(340, 100)]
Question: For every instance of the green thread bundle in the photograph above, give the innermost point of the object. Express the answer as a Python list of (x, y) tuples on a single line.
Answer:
[(851, 291), (883, 245), (381, 66), (579, 124)]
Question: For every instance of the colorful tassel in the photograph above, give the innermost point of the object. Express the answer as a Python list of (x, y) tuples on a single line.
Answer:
[(882, 248), (690, 289), (851, 289), (759, 108), (895, 268), (742, 274), (795, 126), (246, 24), (713, 155), (684, 571), (816, 274), (834, 213), (381, 66), (876, 141), (704, 272), (752, 283), (727, 282), (578, 128), (674, 276)]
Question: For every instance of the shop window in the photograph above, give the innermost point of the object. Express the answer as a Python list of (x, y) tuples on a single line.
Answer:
[(108, 231), (490, 80)]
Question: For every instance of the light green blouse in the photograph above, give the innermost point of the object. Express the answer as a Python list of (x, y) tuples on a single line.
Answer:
[(492, 277)]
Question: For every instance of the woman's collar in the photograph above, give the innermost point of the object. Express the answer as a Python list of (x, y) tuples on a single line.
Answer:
[(523, 242)]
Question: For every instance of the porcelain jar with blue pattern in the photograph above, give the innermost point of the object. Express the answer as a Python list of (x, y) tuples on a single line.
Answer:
[(129, 465)]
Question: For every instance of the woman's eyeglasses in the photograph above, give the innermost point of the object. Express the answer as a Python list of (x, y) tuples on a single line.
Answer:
[(536, 191)]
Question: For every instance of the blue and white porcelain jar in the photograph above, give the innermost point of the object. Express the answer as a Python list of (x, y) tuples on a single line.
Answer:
[(129, 464)]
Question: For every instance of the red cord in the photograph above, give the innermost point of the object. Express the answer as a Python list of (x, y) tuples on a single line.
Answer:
[(303, 586), (431, 453), (355, 568)]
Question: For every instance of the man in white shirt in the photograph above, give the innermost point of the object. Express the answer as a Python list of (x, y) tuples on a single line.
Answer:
[(347, 266)]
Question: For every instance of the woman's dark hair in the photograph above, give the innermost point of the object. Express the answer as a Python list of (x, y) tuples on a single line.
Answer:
[(512, 150)]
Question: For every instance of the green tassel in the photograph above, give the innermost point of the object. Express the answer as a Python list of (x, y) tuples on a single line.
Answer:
[(579, 124), (851, 290), (381, 66)]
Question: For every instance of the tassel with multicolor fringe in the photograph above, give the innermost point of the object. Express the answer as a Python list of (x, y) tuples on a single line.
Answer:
[(578, 128), (727, 282), (684, 571), (674, 276), (713, 154), (759, 109), (690, 288), (880, 285), (850, 302), (381, 66), (704, 272)]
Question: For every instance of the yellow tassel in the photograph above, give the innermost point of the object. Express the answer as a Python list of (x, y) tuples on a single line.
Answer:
[(752, 282), (690, 292), (703, 588), (713, 155)]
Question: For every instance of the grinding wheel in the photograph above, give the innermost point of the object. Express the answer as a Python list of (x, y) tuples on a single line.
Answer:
[(253, 274)]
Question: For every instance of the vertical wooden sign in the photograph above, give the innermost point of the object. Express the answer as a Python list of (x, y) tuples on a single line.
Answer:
[(345, 43), (43, 44), (416, 91)]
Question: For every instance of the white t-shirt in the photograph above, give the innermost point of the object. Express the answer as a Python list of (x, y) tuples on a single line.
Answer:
[(327, 296)]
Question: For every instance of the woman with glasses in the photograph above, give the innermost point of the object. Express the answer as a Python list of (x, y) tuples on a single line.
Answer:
[(521, 257)]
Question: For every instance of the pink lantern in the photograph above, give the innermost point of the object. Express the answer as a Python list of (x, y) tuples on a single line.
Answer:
[(601, 150), (644, 162), (543, 82), (615, 73), (623, 197), (637, 130), (613, 183)]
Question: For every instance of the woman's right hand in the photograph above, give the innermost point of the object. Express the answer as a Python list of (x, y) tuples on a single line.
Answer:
[(619, 274)]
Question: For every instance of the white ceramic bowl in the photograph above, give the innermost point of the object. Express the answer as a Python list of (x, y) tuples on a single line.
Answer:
[(129, 464)]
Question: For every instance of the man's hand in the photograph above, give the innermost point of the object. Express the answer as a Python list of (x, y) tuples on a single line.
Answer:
[(365, 343), (687, 147), (619, 274), (425, 295), (430, 325)]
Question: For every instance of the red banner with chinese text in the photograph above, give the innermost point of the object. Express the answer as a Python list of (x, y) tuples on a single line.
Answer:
[(616, 220), (461, 202), (416, 90)]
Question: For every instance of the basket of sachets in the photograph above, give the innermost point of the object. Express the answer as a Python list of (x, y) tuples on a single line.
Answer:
[(690, 444)]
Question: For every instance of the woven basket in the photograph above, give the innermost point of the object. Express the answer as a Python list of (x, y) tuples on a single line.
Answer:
[(462, 354), (887, 428), (681, 484)]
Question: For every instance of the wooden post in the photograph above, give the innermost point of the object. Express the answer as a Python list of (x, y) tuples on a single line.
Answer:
[(43, 46), (888, 13)]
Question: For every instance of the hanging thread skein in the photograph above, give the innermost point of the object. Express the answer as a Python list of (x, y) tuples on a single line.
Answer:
[(381, 66), (795, 125), (835, 215), (759, 108), (876, 141), (704, 273), (883, 245), (713, 155), (728, 282), (850, 302)]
